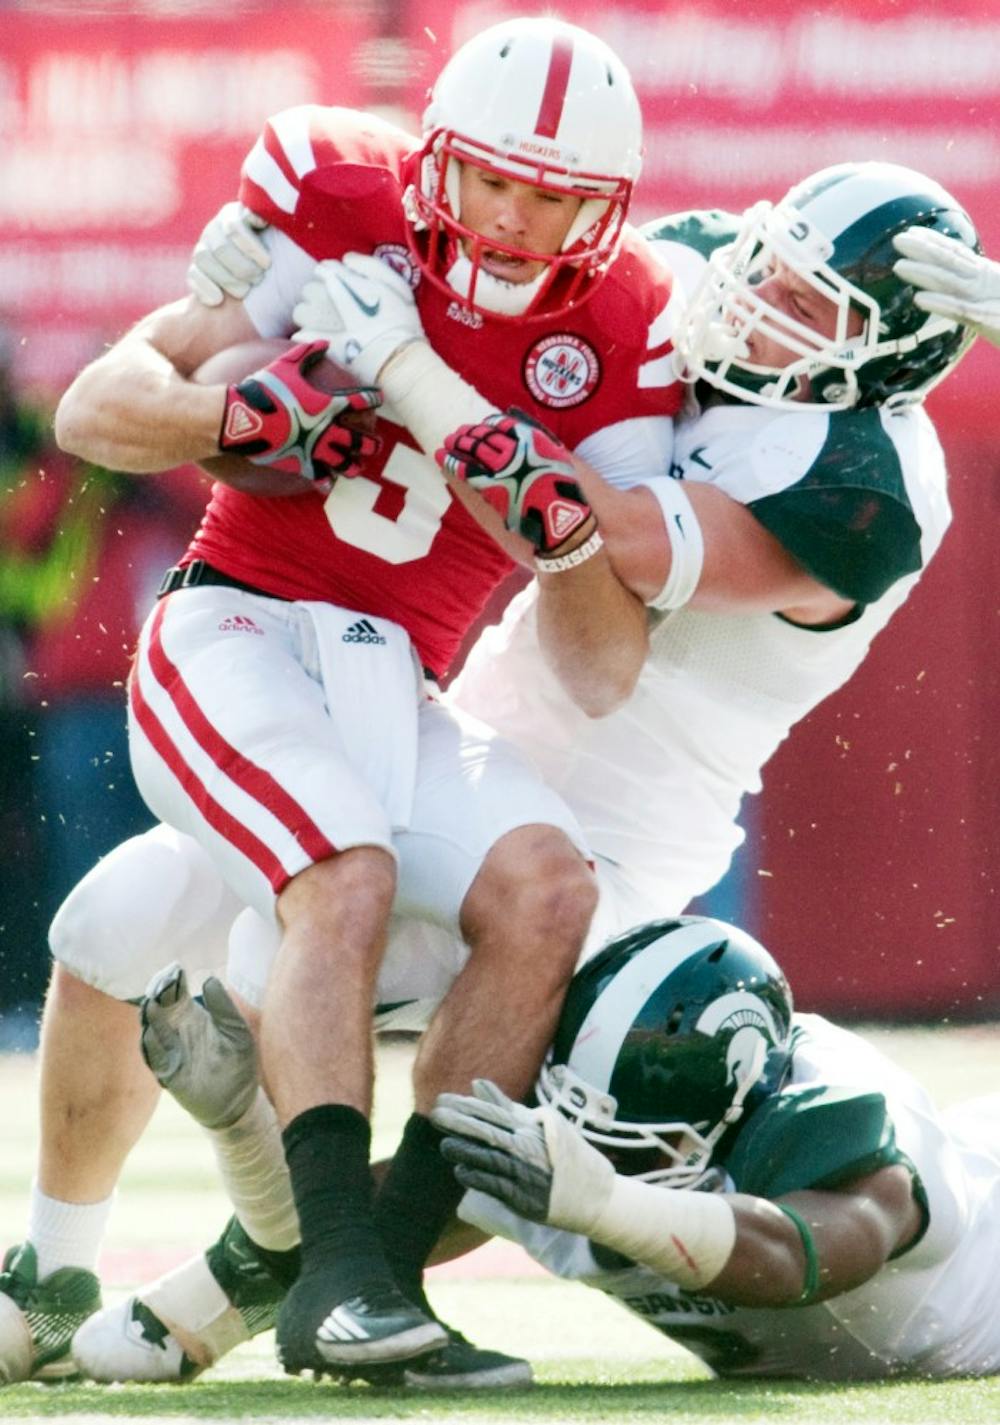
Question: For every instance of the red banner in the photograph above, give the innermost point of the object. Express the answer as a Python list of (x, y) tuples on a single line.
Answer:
[(121, 135)]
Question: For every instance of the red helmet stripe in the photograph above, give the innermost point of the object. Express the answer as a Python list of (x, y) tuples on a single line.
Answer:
[(553, 99)]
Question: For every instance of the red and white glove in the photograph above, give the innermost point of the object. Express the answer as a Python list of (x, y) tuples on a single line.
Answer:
[(524, 472), (275, 417)]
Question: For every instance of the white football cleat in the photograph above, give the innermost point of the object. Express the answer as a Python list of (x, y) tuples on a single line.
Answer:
[(129, 1342), (184, 1322)]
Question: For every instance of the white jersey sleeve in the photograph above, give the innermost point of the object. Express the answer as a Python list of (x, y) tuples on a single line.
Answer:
[(626, 453)]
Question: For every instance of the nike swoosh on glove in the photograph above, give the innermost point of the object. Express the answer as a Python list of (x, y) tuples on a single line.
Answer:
[(363, 308)]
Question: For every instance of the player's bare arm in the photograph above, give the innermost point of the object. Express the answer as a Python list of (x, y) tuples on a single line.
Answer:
[(738, 1248), (745, 568), (135, 408), (853, 1231), (594, 632)]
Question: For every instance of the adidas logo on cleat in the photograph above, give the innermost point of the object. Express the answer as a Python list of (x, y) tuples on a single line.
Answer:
[(362, 632)]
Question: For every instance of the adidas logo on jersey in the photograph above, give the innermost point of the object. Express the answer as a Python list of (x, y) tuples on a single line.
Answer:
[(457, 313), (239, 623), (362, 632)]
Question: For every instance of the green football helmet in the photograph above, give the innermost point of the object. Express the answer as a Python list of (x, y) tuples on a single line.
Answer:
[(834, 231), (667, 1039)]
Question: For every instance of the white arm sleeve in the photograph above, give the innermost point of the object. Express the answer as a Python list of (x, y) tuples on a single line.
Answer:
[(425, 395), (687, 546)]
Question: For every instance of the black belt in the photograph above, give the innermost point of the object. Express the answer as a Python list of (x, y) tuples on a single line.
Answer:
[(189, 576)]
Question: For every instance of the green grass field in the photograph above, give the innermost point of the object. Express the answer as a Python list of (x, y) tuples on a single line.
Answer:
[(593, 1361)]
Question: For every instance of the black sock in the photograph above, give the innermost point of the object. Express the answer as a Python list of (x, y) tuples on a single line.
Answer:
[(414, 1203), (283, 1266), (327, 1152)]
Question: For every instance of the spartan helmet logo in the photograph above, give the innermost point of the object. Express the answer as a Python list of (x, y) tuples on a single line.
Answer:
[(754, 1033)]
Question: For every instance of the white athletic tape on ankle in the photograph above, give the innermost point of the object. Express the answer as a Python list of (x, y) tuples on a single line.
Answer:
[(688, 1236), (196, 1311), (687, 546)]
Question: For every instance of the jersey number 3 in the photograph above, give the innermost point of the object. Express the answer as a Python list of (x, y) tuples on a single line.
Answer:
[(407, 534)]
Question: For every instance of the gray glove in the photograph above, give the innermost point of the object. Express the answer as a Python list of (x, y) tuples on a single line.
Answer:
[(956, 282), (531, 1159), (496, 1146), (201, 1052), (228, 258)]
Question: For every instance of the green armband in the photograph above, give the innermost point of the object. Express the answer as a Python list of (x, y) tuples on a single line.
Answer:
[(809, 1248)]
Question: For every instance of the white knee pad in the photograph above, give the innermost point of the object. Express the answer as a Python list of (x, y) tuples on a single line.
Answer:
[(154, 899), (253, 944)]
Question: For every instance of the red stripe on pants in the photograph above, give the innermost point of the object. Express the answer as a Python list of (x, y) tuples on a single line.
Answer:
[(255, 781)]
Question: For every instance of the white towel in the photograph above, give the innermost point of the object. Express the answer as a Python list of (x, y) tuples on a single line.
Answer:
[(374, 685)]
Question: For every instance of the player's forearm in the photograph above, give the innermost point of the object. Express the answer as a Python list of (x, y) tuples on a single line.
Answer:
[(814, 1244), (736, 1248), (428, 397), (630, 523), (131, 410), (593, 632)]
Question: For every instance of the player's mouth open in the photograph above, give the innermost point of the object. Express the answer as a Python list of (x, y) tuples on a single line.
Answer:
[(505, 265)]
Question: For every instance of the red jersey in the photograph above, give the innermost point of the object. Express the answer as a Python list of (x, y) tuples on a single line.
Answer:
[(394, 543)]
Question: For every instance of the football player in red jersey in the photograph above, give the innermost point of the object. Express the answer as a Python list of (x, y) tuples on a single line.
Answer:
[(275, 714)]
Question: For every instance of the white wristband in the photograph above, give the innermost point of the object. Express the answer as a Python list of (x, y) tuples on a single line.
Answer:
[(688, 1236), (555, 564), (687, 547)]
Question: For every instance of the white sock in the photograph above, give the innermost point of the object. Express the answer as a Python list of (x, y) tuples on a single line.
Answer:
[(66, 1234)]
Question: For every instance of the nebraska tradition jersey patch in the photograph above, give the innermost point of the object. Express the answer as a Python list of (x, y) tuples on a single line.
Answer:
[(562, 370)]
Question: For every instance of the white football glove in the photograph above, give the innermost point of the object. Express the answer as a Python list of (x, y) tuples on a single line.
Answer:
[(203, 1054), (229, 258), (363, 308), (532, 1159), (958, 283)]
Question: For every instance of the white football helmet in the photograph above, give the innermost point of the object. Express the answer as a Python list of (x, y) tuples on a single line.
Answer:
[(834, 231), (550, 105)]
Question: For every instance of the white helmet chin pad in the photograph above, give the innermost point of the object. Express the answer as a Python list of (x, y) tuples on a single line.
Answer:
[(507, 299)]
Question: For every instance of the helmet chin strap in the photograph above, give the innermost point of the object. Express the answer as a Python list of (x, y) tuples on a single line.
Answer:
[(508, 299)]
